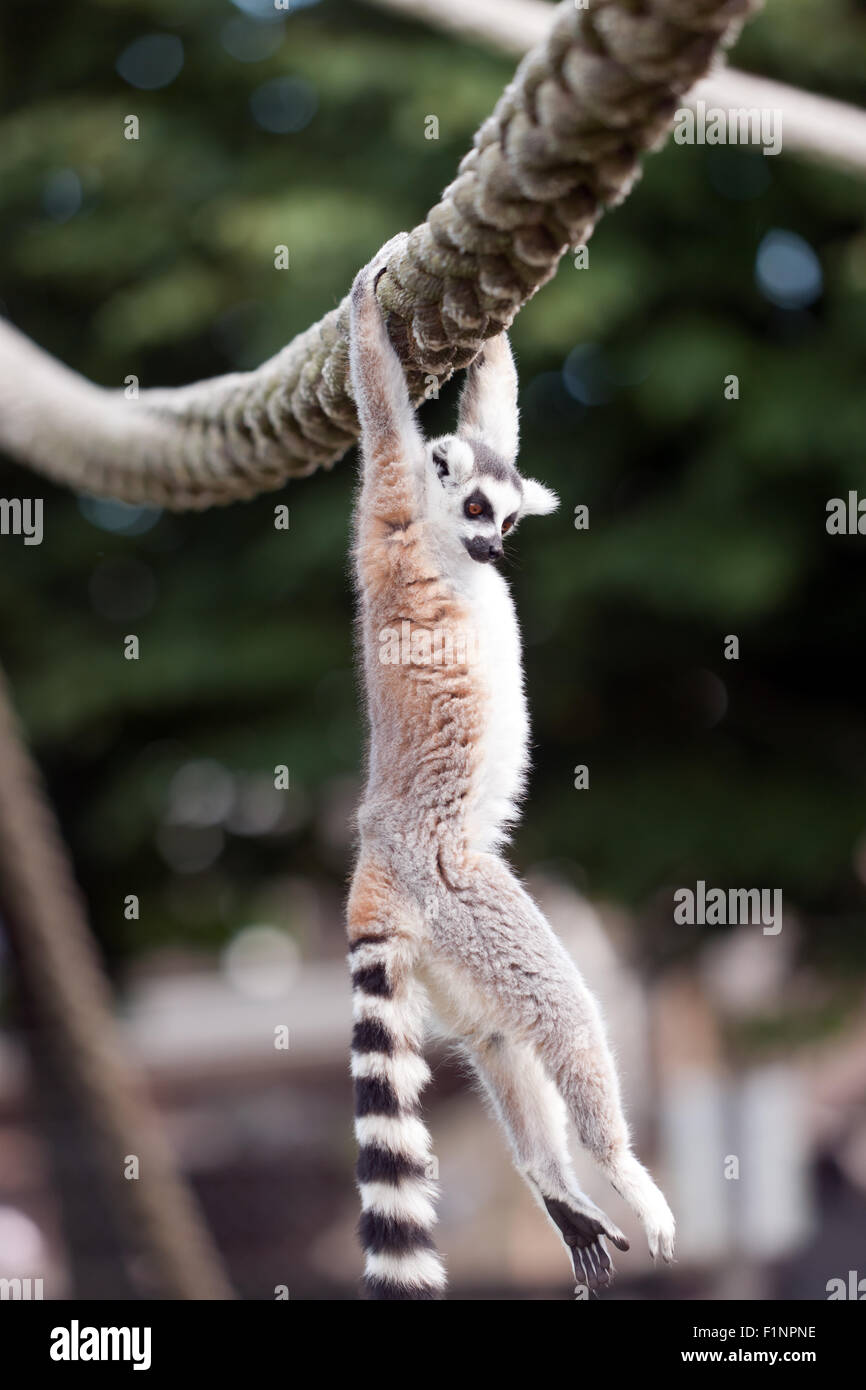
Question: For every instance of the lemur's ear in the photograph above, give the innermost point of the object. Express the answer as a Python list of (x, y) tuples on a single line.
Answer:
[(488, 402), (538, 500), (453, 460)]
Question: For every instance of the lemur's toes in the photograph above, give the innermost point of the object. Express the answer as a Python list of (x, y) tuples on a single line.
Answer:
[(584, 1233), (660, 1229), (663, 1244)]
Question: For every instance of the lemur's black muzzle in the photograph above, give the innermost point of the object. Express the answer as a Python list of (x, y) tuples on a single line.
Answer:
[(484, 548)]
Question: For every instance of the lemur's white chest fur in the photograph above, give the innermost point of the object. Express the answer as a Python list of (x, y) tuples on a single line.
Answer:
[(503, 750), (476, 500)]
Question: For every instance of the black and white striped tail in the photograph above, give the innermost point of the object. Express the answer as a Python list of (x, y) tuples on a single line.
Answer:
[(397, 1212)]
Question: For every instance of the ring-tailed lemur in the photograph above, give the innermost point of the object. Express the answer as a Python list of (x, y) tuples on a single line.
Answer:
[(433, 908)]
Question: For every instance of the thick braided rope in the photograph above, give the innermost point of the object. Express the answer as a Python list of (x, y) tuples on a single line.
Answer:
[(562, 144), (56, 955)]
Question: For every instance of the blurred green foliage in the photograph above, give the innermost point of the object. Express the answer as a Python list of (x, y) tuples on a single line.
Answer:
[(707, 515)]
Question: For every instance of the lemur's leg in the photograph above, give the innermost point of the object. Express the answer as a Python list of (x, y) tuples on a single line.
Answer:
[(513, 957), (389, 1074), (533, 1115), (391, 443)]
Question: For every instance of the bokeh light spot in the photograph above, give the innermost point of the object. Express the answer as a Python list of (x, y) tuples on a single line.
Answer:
[(787, 271), (118, 517), (284, 105), (587, 375), (151, 62), (249, 41), (62, 195), (261, 962)]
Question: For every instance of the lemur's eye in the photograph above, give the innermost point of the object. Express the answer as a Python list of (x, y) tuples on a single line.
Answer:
[(507, 524), (477, 504)]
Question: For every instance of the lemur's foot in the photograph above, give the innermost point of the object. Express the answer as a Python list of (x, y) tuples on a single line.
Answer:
[(583, 1228), (661, 1231), (632, 1181)]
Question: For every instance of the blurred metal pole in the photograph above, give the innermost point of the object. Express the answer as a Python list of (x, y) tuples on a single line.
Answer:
[(58, 958)]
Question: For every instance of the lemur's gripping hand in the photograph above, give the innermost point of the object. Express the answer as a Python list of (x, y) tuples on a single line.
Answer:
[(370, 275), (389, 434)]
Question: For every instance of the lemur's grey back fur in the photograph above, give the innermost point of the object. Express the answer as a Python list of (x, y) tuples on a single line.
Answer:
[(434, 908)]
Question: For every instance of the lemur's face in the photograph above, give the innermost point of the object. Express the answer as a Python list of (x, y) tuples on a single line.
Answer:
[(480, 497)]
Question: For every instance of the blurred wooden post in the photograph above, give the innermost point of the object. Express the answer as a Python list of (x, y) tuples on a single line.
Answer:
[(55, 953)]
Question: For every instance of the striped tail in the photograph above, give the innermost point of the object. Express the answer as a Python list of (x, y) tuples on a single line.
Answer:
[(397, 1212)]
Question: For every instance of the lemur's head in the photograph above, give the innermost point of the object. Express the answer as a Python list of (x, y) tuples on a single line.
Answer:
[(476, 495)]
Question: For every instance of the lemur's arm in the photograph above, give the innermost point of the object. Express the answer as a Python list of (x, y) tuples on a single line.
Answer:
[(488, 401), (391, 443)]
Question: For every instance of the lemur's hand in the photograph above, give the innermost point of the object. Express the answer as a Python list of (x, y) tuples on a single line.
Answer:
[(372, 273)]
